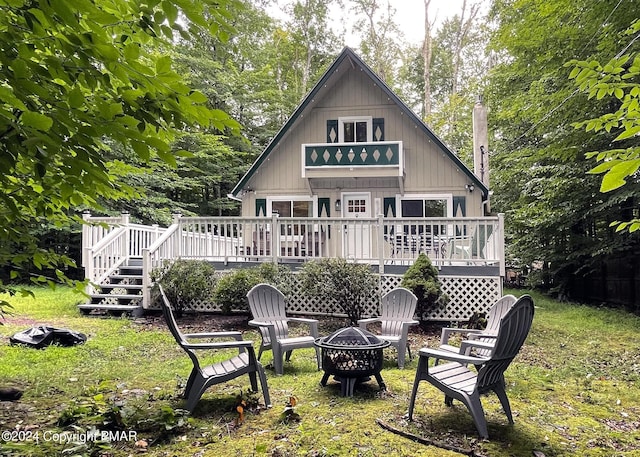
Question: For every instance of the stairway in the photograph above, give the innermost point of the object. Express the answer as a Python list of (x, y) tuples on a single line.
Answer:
[(120, 294)]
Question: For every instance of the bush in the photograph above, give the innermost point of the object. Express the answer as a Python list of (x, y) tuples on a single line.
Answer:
[(231, 291), (348, 284), (421, 278), (186, 281)]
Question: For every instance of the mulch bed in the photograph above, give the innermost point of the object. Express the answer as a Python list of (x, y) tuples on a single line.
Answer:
[(419, 336)]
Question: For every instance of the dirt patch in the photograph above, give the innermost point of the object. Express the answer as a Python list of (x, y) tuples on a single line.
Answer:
[(419, 336)]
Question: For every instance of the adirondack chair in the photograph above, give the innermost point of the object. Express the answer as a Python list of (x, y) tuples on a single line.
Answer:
[(461, 382), (488, 335), (268, 309), (203, 377), (397, 309)]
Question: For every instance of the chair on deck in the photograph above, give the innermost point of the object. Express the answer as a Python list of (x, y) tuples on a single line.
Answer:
[(397, 310), (268, 309), (261, 243), (203, 377), (474, 247), (488, 335), (461, 382)]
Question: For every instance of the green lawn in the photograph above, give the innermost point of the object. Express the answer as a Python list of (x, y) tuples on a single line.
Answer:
[(573, 391)]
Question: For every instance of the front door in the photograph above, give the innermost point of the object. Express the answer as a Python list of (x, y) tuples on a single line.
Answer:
[(357, 236)]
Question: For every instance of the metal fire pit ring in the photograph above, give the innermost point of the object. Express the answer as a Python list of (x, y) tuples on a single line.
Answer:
[(351, 355)]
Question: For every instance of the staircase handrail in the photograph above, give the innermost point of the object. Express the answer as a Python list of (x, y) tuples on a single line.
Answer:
[(148, 264), (93, 254)]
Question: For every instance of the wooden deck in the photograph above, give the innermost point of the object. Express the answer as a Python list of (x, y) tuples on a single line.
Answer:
[(457, 246)]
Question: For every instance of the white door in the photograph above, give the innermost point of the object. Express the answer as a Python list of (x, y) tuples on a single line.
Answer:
[(357, 236)]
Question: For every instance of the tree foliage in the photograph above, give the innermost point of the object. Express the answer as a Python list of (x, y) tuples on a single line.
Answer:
[(421, 278), (618, 78), (382, 39), (557, 220), (77, 78)]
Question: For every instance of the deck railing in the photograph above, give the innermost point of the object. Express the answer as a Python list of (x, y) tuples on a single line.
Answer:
[(109, 242), (384, 242)]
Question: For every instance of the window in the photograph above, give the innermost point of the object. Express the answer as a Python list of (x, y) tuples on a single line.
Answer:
[(426, 206), (292, 208), (356, 206), (355, 130)]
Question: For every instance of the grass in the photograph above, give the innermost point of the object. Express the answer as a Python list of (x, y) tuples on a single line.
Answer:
[(573, 390)]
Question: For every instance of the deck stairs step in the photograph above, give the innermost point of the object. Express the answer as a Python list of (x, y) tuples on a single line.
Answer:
[(120, 293)]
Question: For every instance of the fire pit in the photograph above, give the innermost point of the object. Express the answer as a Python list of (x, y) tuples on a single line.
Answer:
[(351, 355)]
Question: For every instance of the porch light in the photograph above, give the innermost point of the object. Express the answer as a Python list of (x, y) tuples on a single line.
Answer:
[(469, 187), (338, 205)]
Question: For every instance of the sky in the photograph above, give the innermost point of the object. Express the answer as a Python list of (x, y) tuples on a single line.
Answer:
[(409, 16)]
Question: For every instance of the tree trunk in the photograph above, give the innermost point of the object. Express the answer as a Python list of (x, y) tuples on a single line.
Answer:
[(426, 58)]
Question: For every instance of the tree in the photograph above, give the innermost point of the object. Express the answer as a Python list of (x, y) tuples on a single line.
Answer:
[(381, 37), (427, 53), (620, 78), (311, 30), (421, 278), (557, 220), (76, 78)]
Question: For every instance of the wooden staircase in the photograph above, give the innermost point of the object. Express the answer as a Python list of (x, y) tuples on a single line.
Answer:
[(120, 294)]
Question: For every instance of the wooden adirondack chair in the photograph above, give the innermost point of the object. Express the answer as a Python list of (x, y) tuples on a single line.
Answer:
[(488, 335), (461, 382), (268, 309), (397, 310), (203, 377)]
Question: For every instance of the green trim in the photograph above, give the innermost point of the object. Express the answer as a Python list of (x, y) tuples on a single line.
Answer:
[(324, 204), (332, 130), (459, 206), (347, 154), (389, 204), (378, 129), (460, 210), (261, 206)]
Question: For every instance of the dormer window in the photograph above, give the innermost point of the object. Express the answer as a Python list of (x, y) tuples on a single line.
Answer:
[(355, 129)]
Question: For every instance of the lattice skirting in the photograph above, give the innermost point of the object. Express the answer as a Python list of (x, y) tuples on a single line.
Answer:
[(467, 295)]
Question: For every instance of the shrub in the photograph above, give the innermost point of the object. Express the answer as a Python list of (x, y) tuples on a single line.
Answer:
[(421, 278), (277, 275), (348, 284), (231, 291), (186, 281)]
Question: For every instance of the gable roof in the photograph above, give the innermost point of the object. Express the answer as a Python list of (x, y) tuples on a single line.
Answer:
[(355, 61)]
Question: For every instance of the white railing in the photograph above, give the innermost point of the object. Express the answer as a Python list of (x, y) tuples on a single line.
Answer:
[(110, 242), (384, 242)]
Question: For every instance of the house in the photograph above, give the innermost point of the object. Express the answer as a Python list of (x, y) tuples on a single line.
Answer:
[(352, 148), (353, 173)]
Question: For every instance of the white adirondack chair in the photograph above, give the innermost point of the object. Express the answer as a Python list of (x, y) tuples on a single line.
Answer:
[(458, 380), (397, 310), (488, 335), (203, 377), (268, 309)]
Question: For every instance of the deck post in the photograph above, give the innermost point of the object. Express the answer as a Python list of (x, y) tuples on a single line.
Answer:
[(381, 243), (275, 233), (500, 246), (126, 246), (146, 278), (86, 237), (177, 247)]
